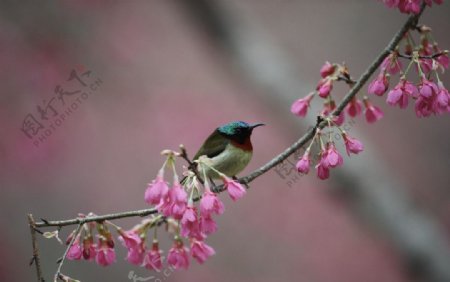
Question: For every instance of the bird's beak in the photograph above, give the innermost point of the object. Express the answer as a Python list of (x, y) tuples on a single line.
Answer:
[(256, 125)]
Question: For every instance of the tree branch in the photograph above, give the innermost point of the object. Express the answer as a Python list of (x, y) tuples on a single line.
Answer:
[(35, 259), (432, 56), (409, 24), (58, 273), (100, 218)]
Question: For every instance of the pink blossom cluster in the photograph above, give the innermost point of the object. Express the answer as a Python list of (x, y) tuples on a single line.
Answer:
[(84, 247), (410, 6), (195, 220), (330, 74), (177, 209), (429, 93), (329, 156)]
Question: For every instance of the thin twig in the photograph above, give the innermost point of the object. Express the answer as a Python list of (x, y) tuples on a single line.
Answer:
[(35, 259), (184, 155), (61, 262), (60, 223), (192, 166), (430, 57), (410, 23), (412, 20), (347, 80)]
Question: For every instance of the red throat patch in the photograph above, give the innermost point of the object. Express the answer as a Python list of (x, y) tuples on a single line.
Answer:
[(246, 146)]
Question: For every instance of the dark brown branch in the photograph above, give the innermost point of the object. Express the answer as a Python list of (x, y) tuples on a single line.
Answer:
[(35, 259), (347, 80), (184, 155)]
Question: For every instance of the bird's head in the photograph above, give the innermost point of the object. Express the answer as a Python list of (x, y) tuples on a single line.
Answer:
[(238, 130)]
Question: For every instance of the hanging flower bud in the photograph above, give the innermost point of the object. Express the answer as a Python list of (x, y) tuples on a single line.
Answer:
[(352, 145), (177, 256), (201, 251), (152, 260)]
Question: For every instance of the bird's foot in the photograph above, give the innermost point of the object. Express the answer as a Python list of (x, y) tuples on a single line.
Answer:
[(245, 183), (214, 187)]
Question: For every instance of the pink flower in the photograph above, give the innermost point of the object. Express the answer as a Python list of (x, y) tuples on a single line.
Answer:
[(177, 256), (201, 251), (327, 69), (323, 172), (391, 64), (438, 2), (136, 255), (174, 204), (156, 191), (105, 254), (373, 113), (89, 251), (329, 108), (75, 251), (354, 108), (134, 245), (409, 6), (442, 100), (426, 49), (152, 260), (300, 107), (207, 224), (426, 65), (424, 107), (210, 203), (324, 87), (234, 188), (443, 59), (352, 145), (332, 158), (130, 239), (190, 226), (433, 99), (379, 85), (304, 163), (399, 95), (427, 88)]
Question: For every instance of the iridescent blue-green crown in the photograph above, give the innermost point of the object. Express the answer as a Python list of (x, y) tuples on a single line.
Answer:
[(233, 127)]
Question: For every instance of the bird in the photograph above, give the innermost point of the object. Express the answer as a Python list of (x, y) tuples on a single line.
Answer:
[(229, 149)]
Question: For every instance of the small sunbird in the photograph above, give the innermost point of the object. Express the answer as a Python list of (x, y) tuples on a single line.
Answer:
[(229, 148)]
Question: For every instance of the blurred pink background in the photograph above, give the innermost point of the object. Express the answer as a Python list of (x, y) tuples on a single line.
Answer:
[(166, 82)]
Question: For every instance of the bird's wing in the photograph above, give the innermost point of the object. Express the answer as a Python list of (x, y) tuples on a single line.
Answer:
[(214, 145)]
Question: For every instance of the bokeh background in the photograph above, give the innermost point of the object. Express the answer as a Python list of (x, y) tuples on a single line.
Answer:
[(171, 72)]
